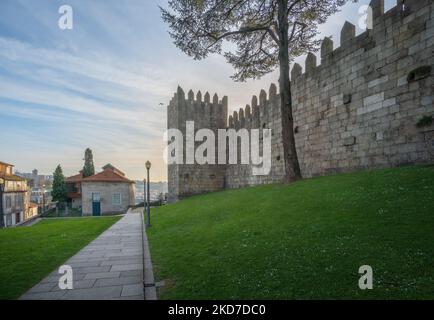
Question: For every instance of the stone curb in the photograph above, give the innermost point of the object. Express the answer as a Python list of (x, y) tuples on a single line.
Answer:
[(149, 287)]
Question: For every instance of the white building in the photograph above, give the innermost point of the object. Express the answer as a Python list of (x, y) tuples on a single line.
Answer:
[(107, 192)]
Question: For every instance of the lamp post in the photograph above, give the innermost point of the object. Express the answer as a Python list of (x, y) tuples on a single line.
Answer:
[(148, 208), (144, 196), (2, 189), (43, 200)]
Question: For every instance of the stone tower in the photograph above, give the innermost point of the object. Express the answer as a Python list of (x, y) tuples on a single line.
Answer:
[(190, 178)]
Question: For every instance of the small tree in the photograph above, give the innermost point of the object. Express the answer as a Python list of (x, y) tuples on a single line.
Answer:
[(89, 168), (267, 34), (59, 192)]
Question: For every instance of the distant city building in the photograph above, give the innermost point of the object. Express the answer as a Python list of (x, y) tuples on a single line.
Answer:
[(36, 180), (16, 206), (107, 192), (42, 198), (40, 185), (158, 191)]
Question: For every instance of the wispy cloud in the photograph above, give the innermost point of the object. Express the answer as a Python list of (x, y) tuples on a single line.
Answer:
[(97, 102), (100, 85)]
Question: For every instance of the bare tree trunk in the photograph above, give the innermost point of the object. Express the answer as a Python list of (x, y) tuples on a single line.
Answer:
[(292, 166)]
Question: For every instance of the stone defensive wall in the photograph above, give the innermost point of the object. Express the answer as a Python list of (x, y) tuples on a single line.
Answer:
[(360, 108), (364, 105)]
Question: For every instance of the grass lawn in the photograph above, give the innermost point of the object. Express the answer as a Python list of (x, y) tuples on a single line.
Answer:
[(28, 254), (301, 241)]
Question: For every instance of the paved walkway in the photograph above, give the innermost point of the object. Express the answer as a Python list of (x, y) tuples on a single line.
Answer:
[(110, 267)]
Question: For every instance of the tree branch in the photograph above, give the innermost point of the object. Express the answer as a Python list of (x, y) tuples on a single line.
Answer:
[(294, 28), (240, 31), (293, 5)]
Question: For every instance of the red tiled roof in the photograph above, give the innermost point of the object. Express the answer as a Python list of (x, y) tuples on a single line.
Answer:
[(74, 195), (109, 166), (76, 178), (33, 205), (107, 176)]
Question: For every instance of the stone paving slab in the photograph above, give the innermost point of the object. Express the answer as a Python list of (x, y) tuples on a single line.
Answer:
[(110, 267), (118, 281)]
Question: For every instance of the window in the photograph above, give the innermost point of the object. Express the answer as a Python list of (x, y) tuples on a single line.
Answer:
[(18, 201), (117, 199), (96, 197), (8, 202)]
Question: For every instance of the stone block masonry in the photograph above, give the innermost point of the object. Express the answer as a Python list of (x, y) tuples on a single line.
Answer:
[(376, 127), (357, 110), (189, 179)]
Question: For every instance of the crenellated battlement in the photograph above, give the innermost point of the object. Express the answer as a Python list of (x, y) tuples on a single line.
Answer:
[(355, 107), (349, 42), (250, 116), (179, 98), (205, 113)]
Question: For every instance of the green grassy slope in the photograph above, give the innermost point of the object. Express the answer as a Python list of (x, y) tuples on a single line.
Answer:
[(28, 254), (301, 241)]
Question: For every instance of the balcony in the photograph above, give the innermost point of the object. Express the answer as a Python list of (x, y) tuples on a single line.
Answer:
[(14, 183), (16, 189), (73, 190), (16, 186)]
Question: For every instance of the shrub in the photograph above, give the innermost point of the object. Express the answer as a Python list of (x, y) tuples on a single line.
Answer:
[(425, 121)]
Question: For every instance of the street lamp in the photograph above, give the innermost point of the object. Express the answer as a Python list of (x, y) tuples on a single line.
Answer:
[(2, 189), (148, 224), (144, 196), (43, 199)]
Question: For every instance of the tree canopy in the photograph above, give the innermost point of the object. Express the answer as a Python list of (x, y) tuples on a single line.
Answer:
[(199, 28), (59, 192), (89, 168), (263, 35)]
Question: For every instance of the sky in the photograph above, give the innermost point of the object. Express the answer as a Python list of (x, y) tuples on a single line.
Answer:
[(105, 84)]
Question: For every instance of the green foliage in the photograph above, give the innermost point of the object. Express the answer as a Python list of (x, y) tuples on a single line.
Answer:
[(28, 254), (199, 28), (306, 240), (419, 73), (59, 192), (425, 121), (89, 168)]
